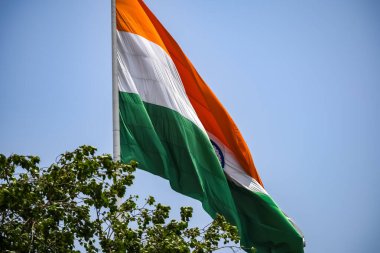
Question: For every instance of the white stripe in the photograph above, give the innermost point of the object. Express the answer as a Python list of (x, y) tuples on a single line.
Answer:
[(144, 68), (234, 171)]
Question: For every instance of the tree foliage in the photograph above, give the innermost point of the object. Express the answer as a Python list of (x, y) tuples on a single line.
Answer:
[(79, 203)]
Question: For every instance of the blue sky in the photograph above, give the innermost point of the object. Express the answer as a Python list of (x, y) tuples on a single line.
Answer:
[(300, 78)]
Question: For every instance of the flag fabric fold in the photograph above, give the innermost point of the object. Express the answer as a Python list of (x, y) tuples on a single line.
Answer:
[(174, 125)]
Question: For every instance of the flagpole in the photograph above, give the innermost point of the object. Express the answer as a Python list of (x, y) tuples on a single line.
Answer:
[(115, 89)]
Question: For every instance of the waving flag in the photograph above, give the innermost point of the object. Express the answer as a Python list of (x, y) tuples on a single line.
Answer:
[(173, 124)]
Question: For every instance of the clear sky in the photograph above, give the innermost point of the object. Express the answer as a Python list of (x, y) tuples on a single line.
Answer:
[(300, 78)]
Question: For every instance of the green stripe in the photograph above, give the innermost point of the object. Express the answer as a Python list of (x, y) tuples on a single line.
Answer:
[(264, 226), (171, 146)]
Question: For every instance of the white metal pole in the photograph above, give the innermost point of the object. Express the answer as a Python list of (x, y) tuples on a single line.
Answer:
[(115, 89)]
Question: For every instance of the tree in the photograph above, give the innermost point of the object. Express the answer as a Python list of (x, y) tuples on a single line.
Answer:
[(79, 203)]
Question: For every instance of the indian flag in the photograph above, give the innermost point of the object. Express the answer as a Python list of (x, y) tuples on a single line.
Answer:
[(170, 121)]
